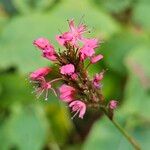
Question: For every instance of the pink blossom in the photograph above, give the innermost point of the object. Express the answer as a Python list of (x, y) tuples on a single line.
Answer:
[(73, 35), (41, 43), (92, 43), (113, 104), (40, 73), (37, 77), (46, 47), (67, 93), (86, 52), (97, 79), (77, 31), (96, 58), (64, 38), (67, 69), (78, 107), (88, 48)]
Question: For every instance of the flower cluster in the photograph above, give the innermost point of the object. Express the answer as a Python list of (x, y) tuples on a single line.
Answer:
[(78, 90)]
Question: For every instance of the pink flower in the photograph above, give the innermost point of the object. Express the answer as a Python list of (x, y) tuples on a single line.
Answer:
[(97, 79), (113, 104), (77, 31), (40, 73), (96, 58), (64, 38), (86, 52), (73, 35), (78, 107), (92, 43), (46, 47), (37, 77), (67, 69), (67, 93), (88, 48), (41, 43)]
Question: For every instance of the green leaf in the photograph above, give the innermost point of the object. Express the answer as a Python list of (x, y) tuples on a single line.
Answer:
[(141, 14), (3, 21), (104, 135), (26, 128), (30, 6), (16, 43), (60, 120), (114, 6), (23, 6), (137, 89), (116, 49), (14, 88)]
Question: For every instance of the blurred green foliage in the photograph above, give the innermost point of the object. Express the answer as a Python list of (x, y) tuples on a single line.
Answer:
[(30, 124)]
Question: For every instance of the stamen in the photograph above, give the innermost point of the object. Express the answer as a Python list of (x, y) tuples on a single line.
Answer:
[(31, 81), (46, 97), (38, 95), (54, 91), (36, 90), (57, 79), (75, 114)]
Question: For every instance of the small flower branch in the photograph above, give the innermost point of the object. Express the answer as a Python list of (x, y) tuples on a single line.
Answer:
[(131, 140)]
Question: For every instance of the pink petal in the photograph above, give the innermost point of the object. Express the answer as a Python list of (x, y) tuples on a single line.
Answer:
[(95, 59), (67, 69), (41, 43), (92, 43), (78, 105), (86, 52), (65, 37), (40, 73), (72, 26), (65, 88)]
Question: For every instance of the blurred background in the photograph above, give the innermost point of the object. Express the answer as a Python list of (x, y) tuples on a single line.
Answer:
[(30, 124)]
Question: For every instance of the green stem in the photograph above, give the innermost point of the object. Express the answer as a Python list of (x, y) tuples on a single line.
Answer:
[(126, 135)]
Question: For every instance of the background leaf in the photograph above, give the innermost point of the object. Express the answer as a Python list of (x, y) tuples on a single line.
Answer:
[(18, 130), (141, 14)]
